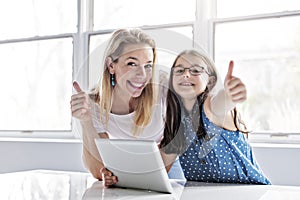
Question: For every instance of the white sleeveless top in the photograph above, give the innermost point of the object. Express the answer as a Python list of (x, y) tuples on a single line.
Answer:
[(120, 126)]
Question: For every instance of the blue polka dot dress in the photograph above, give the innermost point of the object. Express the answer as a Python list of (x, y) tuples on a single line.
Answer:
[(221, 156)]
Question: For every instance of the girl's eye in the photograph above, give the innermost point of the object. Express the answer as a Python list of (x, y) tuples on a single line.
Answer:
[(179, 71), (196, 71)]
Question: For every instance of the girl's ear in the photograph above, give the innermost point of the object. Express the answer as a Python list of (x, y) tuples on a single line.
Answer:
[(110, 65), (211, 82)]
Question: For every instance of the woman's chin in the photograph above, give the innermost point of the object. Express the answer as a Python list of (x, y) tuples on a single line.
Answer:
[(136, 93)]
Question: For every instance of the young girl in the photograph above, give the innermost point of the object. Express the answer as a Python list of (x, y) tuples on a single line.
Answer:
[(125, 104), (202, 125)]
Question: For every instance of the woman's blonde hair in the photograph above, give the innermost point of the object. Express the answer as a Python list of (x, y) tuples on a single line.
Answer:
[(143, 111)]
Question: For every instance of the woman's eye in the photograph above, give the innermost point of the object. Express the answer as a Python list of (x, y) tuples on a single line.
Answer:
[(132, 64), (148, 66)]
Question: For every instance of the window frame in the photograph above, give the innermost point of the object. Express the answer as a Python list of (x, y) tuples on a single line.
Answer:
[(271, 137), (78, 43), (203, 37), (45, 133)]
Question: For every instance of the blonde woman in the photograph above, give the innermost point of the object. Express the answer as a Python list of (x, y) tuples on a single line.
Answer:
[(125, 105)]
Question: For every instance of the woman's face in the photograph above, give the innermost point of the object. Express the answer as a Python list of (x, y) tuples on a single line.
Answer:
[(189, 76), (133, 71)]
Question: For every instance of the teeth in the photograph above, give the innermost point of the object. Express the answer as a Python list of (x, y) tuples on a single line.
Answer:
[(186, 84), (137, 84)]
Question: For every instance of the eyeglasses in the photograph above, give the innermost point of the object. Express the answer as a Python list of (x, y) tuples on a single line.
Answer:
[(194, 70)]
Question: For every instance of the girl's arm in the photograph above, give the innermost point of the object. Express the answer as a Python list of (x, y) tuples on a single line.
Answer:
[(168, 159), (234, 92)]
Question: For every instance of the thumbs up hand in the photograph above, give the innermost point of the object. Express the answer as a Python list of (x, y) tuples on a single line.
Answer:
[(77, 87), (80, 104), (234, 87)]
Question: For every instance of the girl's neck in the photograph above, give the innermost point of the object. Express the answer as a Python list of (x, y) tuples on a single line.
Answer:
[(189, 104)]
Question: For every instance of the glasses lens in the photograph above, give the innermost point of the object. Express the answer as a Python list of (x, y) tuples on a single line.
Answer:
[(195, 70), (178, 70)]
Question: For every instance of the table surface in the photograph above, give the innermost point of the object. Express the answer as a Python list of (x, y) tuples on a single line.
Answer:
[(60, 185)]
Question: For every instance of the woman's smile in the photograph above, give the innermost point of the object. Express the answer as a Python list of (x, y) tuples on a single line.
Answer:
[(136, 85)]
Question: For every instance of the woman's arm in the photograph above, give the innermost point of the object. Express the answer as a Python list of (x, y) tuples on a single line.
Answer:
[(91, 158), (84, 109)]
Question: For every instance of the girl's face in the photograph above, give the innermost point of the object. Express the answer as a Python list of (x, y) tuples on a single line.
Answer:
[(190, 76), (133, 71)]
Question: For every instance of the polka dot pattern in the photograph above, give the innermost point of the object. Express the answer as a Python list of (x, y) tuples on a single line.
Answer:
[(221, 156)]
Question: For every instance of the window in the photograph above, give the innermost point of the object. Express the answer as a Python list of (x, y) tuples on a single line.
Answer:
[(29, 18), (46, 45), (36, 62), (153, 18), (135, 13), (166, 50), (237, 8), (266, 51), (36, 85)]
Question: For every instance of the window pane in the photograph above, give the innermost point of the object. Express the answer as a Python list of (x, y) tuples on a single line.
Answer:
[(167, 49), (131, 13), (36, 78), (97, 46), (267, 56), (28, 18), (233, 8)]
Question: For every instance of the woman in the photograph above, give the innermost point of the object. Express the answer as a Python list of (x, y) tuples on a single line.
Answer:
[(202, 125), (126, 104)]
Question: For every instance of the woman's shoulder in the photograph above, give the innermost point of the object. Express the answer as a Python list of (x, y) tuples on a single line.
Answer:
[(94, 94)]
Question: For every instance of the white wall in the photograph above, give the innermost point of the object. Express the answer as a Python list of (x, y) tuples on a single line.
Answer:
[(280, 163), (19, 155)]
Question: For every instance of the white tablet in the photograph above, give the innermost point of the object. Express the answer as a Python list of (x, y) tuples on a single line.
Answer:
[(136, 163)]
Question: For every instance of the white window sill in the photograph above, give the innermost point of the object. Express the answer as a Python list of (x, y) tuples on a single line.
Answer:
[(274, 145), (46, 140)]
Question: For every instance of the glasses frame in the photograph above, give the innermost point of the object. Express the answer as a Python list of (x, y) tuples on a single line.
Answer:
[(190, 69)]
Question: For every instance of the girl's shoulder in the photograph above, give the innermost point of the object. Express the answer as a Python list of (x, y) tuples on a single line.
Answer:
[(225, 121)]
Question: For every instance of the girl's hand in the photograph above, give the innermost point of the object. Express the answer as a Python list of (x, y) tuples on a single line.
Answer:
[(234, 87), (80, 104), (107, 177)]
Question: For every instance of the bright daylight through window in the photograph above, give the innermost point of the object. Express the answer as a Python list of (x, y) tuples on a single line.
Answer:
[(47, 44), (265, 45), (36, 48)]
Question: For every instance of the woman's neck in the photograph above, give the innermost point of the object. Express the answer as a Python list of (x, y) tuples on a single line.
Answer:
[(121, 104)]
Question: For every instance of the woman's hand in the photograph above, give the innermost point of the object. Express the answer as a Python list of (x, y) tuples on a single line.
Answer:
[(107, 177), (235, 89), (80, 104)]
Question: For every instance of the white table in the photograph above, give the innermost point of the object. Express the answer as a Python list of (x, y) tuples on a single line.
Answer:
[(60, 185)]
